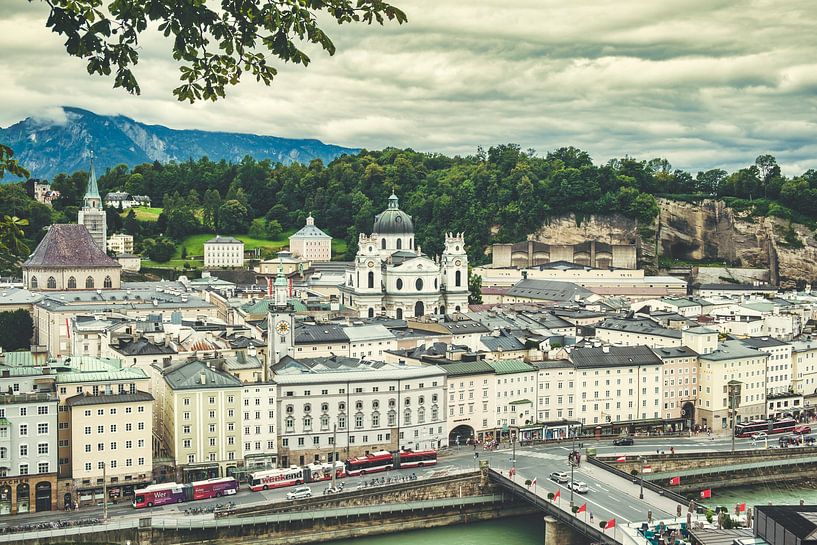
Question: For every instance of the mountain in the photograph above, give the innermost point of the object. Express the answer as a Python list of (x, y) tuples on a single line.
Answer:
[(48, 147)]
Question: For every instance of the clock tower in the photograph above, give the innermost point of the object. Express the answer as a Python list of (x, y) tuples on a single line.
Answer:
[(280, 322)]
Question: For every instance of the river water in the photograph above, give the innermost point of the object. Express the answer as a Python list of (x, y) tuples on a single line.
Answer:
[(528, 530)]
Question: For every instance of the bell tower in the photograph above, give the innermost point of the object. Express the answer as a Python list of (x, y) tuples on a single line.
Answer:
[(280, 322), (92, 215), (454, 272)]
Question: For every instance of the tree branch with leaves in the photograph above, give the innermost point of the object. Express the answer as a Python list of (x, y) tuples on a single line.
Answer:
[(217, 45)]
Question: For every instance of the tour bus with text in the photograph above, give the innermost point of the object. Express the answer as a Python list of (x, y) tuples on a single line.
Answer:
[(279, 478), (166, 493)]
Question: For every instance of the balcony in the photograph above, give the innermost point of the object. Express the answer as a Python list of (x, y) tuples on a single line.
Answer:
[(39, 397)]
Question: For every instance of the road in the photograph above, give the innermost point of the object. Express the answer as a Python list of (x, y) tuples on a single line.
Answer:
[(608, 496)]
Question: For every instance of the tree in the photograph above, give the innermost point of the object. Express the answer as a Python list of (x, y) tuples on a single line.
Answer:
[(161, 249), (16, 330), (232, 217), (262, 228), (474, 289), (13, 247), (217, 42), (8, 163)]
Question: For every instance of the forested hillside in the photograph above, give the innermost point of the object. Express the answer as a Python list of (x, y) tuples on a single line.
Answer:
[(497, 195)]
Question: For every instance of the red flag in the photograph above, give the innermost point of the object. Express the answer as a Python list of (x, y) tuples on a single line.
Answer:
[(533, 482), (621, 459), (675, 481), (742, 507), (557, 495), (706, 493), (582, 509), (610, 524)]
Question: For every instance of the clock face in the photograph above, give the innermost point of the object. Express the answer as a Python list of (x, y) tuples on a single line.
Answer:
[(282, 327), (458, 263), (371, 264)]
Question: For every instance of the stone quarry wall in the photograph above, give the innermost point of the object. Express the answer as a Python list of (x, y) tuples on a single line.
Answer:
[(708, 230)]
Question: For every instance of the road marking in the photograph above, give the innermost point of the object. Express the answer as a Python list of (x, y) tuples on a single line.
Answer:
[(585, 498), (601, 487)]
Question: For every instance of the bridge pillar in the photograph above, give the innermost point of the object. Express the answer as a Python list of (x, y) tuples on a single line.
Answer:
[(555, 533)]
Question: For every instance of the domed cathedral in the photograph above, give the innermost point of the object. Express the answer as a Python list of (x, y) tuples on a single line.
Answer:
[(392, 277)]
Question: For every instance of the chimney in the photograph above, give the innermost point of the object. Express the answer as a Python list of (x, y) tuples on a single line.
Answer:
[(605, 349), (203, 378)]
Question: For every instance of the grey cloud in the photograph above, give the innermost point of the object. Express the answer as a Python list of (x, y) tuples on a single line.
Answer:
[(705, 83)]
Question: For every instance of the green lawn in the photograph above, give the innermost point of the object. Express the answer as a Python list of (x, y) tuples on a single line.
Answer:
[(144, 213), (195, 243), (174, 264)]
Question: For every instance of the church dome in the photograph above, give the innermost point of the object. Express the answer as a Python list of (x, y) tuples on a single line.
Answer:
[(393, 221)]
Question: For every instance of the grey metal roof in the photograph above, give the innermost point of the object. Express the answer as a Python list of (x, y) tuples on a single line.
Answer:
[(223, 240), (82, 399), (613, 356), (553, 364), (69, 246), (142, 347), (319, 333), (464, 326), (466, 368), (738, 287), (309, 231), (666, 352), (187, 375), (548, 290), (501, 342), (393, 221), (731, 350), (763, 342), (638, 325)]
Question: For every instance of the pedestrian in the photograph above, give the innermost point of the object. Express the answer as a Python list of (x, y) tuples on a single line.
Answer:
[(591, 516)]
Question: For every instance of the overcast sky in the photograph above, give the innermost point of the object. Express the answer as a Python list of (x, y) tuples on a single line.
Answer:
[(704, 83)]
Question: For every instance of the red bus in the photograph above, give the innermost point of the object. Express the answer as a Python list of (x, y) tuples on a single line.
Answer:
[(384, 461), (166, 493), (405, 459), (747, 429), (323, 472)]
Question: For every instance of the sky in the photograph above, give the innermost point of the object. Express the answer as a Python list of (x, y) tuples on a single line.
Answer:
[(703, 83)]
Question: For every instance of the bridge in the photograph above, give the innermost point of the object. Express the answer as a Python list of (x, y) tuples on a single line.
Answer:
[(613, 497)]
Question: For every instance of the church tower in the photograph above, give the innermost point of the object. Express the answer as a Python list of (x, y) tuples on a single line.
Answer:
[(454, 271), (280, 322), (92, 215)]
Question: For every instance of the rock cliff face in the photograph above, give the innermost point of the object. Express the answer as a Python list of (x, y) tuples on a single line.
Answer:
[(709, 230)]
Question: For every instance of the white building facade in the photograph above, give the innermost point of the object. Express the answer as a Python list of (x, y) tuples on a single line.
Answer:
[(392, 277), (223, 252)]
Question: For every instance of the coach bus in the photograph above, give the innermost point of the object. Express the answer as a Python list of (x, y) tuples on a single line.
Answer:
[(747, 429), (166, 493)]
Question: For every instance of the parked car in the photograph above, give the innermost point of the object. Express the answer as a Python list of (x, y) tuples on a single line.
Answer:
[(623, 442), (299, 493), (759, 435), (802, 429), (559, 477), (580, 487)]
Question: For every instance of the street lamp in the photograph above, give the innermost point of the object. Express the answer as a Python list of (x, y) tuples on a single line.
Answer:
[(572, 464), (734, 387), (641, 492)]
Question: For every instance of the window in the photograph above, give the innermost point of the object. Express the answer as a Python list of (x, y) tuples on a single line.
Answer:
[(370, 279), (89, 283), (399, 283), (108, 283), (42, 448), (34, 282), (42, 429), (87, 466), (113, 428), (129, 427), (24, 430), (458, 278), (43, 409), (52, 283), (419, 284)]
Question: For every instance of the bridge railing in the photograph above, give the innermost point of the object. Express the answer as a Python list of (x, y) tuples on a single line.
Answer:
[(593, 534), (674, 496)]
